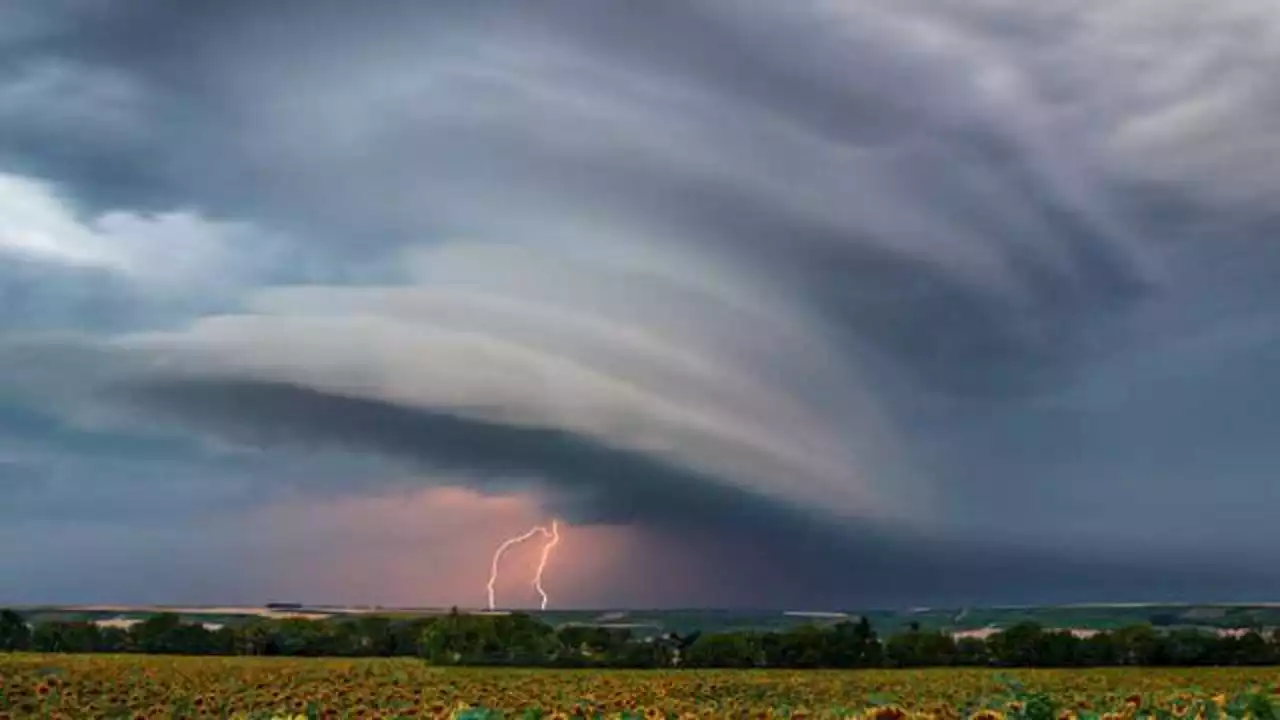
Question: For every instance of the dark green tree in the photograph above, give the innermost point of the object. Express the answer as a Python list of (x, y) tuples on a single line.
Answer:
[(721, 650), (972, 651), (804, 646), (1058, 649), (1139, 645), (14, 633), (917, 648), (853, 645), (54, 637), (1190, 647), (1017, 646), (1099, 650), (157, 634), (256, 637)]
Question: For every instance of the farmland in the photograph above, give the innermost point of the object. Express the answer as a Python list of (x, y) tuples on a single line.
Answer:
[(1219, 618), (140, 686)]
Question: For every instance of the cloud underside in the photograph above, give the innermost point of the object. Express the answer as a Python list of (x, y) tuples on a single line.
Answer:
[(585, 482), (751, 549)]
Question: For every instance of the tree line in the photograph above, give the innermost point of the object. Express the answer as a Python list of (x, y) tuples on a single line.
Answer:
[(522, 640)]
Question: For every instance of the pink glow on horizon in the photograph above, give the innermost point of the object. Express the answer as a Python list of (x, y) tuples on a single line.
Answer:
[(429, 547)]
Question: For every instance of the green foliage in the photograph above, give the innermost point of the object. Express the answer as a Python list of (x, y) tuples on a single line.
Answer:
[(14, 633), (521, 640), (1037, 706), (1259, 707)]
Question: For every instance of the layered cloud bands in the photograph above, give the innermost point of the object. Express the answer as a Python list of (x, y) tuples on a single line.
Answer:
[(634, 390), (900, 284)]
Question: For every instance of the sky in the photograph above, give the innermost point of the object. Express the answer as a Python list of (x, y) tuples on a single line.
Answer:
[(774, 305)]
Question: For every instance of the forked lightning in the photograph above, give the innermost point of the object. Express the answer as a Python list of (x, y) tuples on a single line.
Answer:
[(553, 537)]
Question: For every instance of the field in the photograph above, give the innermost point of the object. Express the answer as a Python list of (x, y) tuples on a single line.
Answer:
[(647, 623), (104, 686)]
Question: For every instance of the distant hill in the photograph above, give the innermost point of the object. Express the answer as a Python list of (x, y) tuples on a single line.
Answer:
[(655, 622)]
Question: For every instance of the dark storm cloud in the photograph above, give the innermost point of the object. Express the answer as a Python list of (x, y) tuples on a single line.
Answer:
[(754, 551), (743, 65), (588, 482), (169, 132), (202, 131), (948, 333), (731, 565), (1040, 239)]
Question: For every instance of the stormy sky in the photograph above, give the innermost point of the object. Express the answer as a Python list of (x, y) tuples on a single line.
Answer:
[(816, 303)]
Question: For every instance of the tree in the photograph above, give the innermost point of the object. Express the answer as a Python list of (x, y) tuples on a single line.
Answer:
[(1058, 649), (1017, 645), (1189, 647), (853, 645), (1248, 649), (972, 651), (648, 653), (256, 637), (302, 637), (14, 633), (1098, 651), (156, 634), (1138, 645), (581, 645), (450, 640), (918, 649), (804, 646), (721, 650), (375, 635), (521, 639), (116, 640), (404, 637)]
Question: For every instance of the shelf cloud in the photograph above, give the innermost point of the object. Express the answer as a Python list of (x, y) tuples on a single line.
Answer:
[(978, 296)]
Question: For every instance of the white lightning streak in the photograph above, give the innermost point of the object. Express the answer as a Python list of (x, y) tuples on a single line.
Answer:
[(542, 562), (553, 536)]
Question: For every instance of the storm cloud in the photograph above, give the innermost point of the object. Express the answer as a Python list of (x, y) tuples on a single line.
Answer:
[(930, 289), (593, 483)]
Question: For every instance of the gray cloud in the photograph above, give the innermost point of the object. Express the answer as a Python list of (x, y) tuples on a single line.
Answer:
[(589, 482), (980, 272), (755, 551)]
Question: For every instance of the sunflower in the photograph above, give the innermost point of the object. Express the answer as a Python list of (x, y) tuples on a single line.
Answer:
[(887, 712)]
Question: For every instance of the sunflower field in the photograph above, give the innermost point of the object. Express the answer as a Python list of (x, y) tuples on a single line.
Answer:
[(138, 687)]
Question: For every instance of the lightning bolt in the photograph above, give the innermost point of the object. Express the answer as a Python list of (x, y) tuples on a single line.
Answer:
[(542, 561), (553, 537)]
